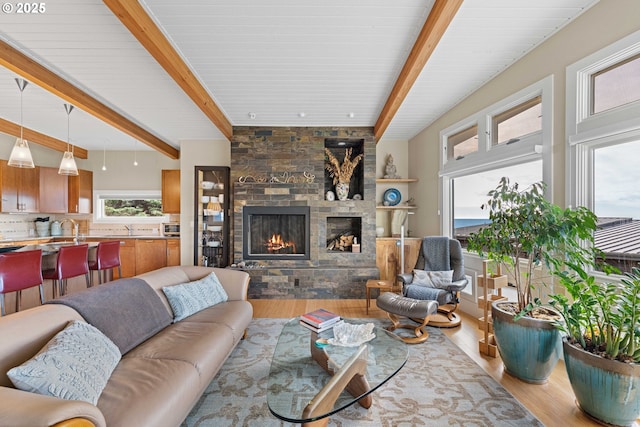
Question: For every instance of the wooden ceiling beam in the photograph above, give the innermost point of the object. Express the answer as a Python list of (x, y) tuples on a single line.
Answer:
[(437, 22), (143, 28), (26, 67), (33, 136)]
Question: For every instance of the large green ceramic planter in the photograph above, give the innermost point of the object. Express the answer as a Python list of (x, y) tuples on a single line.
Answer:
[(529, 348), (605, 389)]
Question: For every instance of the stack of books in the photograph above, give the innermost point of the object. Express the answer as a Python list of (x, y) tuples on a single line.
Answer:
[(320, 320)]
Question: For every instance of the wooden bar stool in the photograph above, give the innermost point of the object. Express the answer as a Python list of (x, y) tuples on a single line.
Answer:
[(18, 271), (107, 258), (71, 262)]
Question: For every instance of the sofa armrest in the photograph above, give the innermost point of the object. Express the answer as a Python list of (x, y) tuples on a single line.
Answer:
[(234, 282), (21, 408)]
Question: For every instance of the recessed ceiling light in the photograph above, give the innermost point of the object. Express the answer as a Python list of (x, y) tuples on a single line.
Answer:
[(351, 115), (301, 114), (252, 116)]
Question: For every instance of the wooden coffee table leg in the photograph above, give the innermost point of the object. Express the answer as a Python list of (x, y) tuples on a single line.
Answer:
[(349, 377)]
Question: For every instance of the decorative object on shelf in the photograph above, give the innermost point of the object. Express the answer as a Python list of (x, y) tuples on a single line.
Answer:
[(342, 190), (390, 169), (284, 178), (379, 231), (208, 185), (397, 223), (391, 197), (330, 196), (341, 172), (357, 197)]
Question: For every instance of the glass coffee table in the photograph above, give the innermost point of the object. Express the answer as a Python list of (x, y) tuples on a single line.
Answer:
[(308, 383)]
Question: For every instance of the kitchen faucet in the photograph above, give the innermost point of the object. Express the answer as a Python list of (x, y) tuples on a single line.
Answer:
[(75, 228), (129, 229)]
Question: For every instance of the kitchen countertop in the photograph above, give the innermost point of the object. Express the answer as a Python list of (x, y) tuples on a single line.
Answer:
[(7, 243)]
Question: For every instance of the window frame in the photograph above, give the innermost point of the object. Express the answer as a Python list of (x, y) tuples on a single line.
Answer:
[(530, 147), (98, 205)]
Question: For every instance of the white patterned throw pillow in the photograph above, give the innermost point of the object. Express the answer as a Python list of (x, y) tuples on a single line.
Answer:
[(75, 365), (189, 298), (432, 279)]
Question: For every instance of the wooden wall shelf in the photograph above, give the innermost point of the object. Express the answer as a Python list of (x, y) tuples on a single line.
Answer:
[(398, 180), (390, 208)]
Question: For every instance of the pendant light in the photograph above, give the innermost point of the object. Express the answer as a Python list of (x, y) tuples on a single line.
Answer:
[(135, 153), (104, 156), (21, 155), (68, 163)]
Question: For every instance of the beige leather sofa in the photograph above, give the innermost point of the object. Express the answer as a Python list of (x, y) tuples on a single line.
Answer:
[(155, 384)]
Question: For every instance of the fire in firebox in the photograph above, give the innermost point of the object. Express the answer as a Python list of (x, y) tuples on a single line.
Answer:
[(276, 244)]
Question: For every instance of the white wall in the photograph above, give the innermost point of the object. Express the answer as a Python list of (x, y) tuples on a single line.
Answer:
[(601, 25)]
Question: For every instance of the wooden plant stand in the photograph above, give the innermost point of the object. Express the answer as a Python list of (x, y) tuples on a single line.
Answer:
[(491, 292)]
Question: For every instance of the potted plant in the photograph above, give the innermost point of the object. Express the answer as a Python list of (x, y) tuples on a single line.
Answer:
[(341, 173), (602, 343), (526, 233)]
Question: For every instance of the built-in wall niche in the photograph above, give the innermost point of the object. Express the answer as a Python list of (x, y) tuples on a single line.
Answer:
[(338, 147), (343, 233)]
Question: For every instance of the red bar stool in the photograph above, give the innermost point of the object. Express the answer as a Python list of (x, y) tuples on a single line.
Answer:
[(18, 271), (71, 262), (107, 258)]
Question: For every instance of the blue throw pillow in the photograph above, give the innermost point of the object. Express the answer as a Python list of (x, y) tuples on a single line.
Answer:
[(75, 365), (189, 298)]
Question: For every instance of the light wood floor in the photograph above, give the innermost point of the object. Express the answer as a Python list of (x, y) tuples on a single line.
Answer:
[(553, 403)]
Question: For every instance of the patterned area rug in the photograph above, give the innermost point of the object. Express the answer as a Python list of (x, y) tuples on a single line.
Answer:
[(439, 386)]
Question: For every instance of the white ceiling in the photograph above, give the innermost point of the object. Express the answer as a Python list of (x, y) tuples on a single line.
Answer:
[(273, 58)]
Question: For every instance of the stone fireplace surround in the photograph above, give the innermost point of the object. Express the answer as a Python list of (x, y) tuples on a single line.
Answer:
[(284, 166)]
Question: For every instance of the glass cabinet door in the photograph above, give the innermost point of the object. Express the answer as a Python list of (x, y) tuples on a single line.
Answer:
[(212, 216)]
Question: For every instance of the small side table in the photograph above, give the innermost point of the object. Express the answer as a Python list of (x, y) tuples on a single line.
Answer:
[(382, 285)]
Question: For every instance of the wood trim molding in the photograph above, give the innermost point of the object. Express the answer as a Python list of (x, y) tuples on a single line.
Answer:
[(36, 137), (143, 28), (26, 67), (437, 22)]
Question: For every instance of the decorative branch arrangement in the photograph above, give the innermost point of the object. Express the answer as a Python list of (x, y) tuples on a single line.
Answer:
[(341, 172)]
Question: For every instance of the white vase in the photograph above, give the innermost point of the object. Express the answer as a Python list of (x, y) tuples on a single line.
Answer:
[(342, 190)]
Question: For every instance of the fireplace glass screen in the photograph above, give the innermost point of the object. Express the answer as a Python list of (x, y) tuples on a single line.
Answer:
[(280, 233)]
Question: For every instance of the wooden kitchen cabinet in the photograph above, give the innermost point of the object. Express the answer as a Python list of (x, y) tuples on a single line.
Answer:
[(388, 256), (171, 191), (53, 193), (173, 252), (151, 254), (127, 258), (81, 192), (19, 188)]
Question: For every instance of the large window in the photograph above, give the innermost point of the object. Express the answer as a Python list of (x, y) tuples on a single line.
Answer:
[(603, 130), (470, 193)]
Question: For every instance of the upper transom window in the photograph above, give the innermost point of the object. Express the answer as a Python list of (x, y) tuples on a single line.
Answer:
[(521, 120), (616, 85), (462, 143)]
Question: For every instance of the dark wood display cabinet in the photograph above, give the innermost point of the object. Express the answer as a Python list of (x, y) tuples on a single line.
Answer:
[(211, 244)]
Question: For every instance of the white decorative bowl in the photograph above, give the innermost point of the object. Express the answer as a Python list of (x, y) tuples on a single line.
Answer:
[(207, 185), (215, 228)]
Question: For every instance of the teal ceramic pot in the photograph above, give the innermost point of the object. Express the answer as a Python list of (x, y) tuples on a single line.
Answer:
[(529, 348), (605, 389)]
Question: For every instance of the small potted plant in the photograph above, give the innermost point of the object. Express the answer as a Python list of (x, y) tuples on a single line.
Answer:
[(602, 343), (530, 237), (341, 172)]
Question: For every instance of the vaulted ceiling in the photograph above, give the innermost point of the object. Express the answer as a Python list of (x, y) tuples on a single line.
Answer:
[(161, 72)]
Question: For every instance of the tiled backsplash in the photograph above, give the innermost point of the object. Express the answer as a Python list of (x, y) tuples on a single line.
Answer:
[(22, 226)]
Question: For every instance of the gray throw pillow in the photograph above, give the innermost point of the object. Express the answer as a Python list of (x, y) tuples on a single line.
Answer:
[(432, 279), (75, 365), (189, 298)]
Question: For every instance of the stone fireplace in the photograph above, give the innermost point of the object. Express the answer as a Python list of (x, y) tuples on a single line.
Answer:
[(282, 170)]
